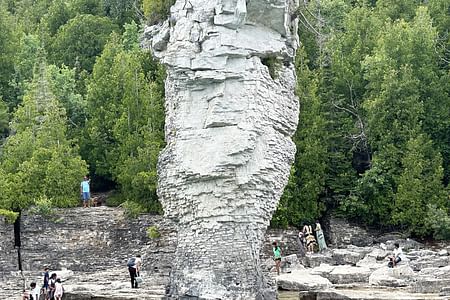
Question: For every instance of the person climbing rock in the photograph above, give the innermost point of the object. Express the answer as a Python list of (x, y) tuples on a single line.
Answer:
[(134, 267), (277, 256), (85, 191), (320, 237)]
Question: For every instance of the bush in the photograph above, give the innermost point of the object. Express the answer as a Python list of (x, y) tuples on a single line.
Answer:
[(438, 220), (157, 10), (153, 232), (133, 209), (10, 216), (273, 64), (43, 206)]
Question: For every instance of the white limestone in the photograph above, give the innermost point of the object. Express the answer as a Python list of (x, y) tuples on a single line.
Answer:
[(228, 132)]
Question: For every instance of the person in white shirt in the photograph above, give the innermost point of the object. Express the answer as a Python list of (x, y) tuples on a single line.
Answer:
[(396, 257), (35, 291)]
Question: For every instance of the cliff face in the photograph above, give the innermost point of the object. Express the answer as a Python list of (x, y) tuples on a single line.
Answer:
[(230, 115)]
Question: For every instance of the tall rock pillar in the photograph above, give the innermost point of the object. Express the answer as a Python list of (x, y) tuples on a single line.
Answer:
[(230, 114)]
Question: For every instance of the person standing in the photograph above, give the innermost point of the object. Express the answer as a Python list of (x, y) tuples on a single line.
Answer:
[(310, 239), (301, 243), (320, 237), (85, 191), (45, 286), (134, 267), (52, 286), (59, 290), (277, 256)]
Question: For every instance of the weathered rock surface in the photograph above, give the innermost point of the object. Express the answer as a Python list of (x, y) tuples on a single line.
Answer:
[(230, 115), (366, 294), (392, 277), (302, 280), (343, 234), (8, 255)]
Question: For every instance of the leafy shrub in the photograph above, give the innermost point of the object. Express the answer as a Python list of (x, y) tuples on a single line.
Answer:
[(115, 199), (438, 220), (43, 206), (133, 209), (10, 216), (153, 232), (274, 65), (156, 10)]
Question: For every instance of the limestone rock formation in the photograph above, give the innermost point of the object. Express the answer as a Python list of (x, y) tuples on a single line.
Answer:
[(230, 114)]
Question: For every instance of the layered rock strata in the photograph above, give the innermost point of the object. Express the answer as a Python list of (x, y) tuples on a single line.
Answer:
[(230, 115)]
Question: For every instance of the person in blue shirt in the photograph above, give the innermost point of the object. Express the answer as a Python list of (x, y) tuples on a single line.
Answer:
[(85, 191)]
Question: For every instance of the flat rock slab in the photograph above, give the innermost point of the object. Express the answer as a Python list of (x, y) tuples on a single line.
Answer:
[(366, 294), (392, 277), (300, 280), (348, 274)]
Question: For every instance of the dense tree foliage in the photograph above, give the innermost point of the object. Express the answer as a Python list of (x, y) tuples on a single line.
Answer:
[(373, 143), (98, 103), (381, 77)]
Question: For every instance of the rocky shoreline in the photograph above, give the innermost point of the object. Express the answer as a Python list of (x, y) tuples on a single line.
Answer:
[(94, 270), (346, 271)]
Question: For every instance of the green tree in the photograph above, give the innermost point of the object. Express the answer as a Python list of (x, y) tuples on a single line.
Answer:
[(156, 10), (399, 86), (38, 161), (301, 200), (81, 40), (419, 185), (8, 44), (125, 125)]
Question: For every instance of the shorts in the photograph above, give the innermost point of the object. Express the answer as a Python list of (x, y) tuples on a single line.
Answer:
[(86, 196)]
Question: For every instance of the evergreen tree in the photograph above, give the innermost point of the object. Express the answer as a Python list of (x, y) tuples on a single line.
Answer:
[(38, 161), (125, 127)]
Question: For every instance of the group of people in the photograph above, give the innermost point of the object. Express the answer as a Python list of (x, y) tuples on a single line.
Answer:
[(309, 241), (52, 289)]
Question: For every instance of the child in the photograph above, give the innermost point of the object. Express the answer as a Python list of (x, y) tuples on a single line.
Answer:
[(59, 290), (35, 291)]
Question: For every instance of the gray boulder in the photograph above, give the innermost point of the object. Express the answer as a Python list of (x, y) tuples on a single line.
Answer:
[(301, 280), (392, 277)]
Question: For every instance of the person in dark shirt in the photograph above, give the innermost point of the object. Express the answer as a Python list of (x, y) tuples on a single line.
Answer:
[(45, 285)]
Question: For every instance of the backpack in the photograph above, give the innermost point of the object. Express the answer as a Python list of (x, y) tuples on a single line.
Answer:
[(131, 262)]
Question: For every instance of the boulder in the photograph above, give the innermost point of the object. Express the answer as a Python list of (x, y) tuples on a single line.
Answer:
[(445, 291), (429, 284), (322, 269), (378, 253), (300, 280), (348, 274), (370, 262), (314, 260), (392, 277), (342, 233), (433, 261), (346, 257)]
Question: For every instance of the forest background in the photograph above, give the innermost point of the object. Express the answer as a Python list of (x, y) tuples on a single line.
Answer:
[(79, 96)]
